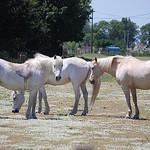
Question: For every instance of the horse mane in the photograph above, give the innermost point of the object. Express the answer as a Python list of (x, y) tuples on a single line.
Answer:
[(107, 62), (37, 57), (40, 60)]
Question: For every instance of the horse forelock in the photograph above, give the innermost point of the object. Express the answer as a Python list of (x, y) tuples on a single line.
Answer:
[(58, 60)]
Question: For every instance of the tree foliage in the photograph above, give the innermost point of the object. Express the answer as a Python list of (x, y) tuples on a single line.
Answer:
[(113, 33), (41, 25), (145, 33)]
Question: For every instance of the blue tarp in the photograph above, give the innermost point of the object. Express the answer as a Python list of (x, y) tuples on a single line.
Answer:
[(115, 49)]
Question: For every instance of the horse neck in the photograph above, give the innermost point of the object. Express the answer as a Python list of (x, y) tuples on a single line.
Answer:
[(47, 63), (112, 71), (106, 66), (114, 66)]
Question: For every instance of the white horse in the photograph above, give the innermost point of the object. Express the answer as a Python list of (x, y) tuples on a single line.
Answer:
[(30, 75), (130, 73), (76, 71)]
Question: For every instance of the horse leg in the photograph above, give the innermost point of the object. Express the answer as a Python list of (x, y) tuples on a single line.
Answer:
[(31, 103), (85, 96), (33, 107), (136, 116), (39, 109), (44, 96), (127, 95), (77, 97)]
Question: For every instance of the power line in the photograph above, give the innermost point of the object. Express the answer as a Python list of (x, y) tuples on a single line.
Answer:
[(107, 18), (106, 14), (119, 15), (139, 15)]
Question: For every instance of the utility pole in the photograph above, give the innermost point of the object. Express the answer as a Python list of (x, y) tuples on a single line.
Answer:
[(92, 33), (124, 41), (127, 41)]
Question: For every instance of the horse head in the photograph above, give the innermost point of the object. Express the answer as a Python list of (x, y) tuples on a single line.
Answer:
[(96, 72), (58, 64), (18, 99)]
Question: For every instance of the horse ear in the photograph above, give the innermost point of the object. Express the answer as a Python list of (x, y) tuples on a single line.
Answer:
[(95, 59), (62, 57), (55, 57)]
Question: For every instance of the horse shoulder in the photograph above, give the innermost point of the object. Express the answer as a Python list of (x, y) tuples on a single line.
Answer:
[(23, 70)]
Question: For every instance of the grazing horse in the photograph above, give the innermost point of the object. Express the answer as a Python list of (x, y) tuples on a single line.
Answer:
[(76, 71), (130, 73), (30, 75)]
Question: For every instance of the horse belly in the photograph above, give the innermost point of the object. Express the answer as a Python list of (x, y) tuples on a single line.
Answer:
[(13, 83), (62, 81), (142, 84)]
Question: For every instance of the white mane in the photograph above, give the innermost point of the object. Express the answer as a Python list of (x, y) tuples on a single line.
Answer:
[(38, 57), (41, 60)]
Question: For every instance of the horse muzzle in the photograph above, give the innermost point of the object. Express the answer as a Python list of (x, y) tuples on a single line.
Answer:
[(15, 111), (92, 81), (58, 78)]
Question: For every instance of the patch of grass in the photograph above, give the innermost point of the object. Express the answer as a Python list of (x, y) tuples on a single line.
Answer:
[(104, 127), (108, 78)]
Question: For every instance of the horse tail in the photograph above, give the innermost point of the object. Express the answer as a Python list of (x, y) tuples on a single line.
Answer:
[(96, 87)]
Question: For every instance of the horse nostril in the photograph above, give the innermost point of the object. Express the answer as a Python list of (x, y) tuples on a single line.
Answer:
[(58, 78), (92, 81), (15, 111)]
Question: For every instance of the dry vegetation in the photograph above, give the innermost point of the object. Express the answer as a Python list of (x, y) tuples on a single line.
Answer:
[(103, 128)]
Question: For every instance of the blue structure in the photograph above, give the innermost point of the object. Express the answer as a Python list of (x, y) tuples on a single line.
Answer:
[(114, 49)]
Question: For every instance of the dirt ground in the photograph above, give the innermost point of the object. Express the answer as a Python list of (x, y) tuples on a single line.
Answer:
[(103, 128)]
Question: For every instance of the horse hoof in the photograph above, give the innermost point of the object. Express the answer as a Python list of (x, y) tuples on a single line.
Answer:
[(127, 117), (72, 114), (136, 117), (83, 114), (45, 113), (34, 117)]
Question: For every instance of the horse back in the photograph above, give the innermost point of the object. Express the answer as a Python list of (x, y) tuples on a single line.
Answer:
[(135, 73), (77, 69), (74, 70)]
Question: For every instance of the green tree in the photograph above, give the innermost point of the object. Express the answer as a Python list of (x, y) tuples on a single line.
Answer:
[(145, 33), (113, 32), (130, 30), (15, 25), (101, 30), (116, 30), (42, 25), (103, 43)]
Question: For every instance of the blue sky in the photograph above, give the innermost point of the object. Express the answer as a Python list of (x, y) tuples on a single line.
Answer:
[(137, 10)]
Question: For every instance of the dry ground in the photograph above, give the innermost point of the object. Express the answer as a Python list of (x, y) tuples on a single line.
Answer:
[(103, 128)]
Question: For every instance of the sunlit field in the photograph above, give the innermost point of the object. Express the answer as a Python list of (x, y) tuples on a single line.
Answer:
[(103, 128)]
